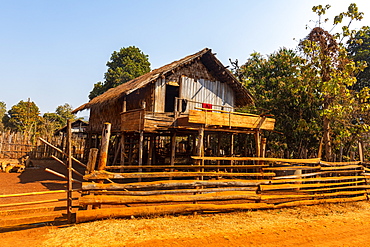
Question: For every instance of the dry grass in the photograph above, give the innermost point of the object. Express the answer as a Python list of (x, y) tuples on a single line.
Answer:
[(118, 232)]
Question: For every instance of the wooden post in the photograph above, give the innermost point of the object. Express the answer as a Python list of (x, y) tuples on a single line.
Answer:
[(218, 152), (232, 148), (69, 163), (150, 150), (319, 153), (200, 147), (96, 145), (93, 154), (173, 149), (124, 104), (130, 150), (122, 157), (257, 138), (141, 147), (194, 149), (104, 147), (263, 147), (361, 151), (122, 141)]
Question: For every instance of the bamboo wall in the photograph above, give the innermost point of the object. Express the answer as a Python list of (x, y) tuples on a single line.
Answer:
[(250, 183), (14, 145)]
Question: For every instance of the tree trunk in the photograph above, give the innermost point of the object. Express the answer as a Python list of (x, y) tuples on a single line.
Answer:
[(327, 142)]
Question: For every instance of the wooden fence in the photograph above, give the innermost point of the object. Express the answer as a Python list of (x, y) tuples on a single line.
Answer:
[(263, 183), (14, 145), (13, 216), (40, 208)]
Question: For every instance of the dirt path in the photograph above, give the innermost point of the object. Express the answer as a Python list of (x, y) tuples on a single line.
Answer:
[(322, 225), (285, 228), (328, 232)]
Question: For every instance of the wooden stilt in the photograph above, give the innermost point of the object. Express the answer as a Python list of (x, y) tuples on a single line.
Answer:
[(194, 149), (257, 138), (150, 150), (69, 163), (232, 137), (218, 152), (361, 151), (93, 154), (122, 157), (141, 147), (130, 150), (173, 150), (104, 147)]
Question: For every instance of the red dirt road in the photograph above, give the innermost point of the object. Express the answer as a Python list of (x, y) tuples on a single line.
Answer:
[(327, 232), (308, 226), (332, 230)]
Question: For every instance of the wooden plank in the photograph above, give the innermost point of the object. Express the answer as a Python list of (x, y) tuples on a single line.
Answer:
[(351, 187), (321, 201), (34, 193), (341, 167), (111, 175), (72, 169), (317, 174), (339, 163), (187, 167), (173, 183), (341, 193), (299, 186), (105, 213), (177, 191), (303, 161), (232, 120), (291, 168), (62, 175), (62, 152), (132, 120), (32, 202), (120, 199), (229, 112), (318, 179)]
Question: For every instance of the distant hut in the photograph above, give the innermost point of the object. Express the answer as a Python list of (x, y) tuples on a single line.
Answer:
[(78, 129), (162, 113)]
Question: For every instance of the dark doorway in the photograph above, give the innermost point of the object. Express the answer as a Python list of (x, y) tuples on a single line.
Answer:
[(171, 93)]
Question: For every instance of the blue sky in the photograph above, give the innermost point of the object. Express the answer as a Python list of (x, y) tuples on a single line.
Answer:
[(54, 51)]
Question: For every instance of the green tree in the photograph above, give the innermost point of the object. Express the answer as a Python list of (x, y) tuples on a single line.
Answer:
[(51, 122), (279, 85), (64, 112), (24, 116), (2, 114), (123, 66), (359, 51), (332, 72), (311, 94)]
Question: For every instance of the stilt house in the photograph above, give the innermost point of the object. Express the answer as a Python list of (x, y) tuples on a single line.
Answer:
[(182, 109)]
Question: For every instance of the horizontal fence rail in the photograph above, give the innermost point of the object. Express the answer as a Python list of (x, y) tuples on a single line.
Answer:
[(249, 183)]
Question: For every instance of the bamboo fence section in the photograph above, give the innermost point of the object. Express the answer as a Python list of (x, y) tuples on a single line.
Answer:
[(245, 185), (14, 145), (60, 147)]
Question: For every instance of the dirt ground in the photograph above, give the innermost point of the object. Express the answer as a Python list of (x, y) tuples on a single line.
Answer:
[(323, 225)]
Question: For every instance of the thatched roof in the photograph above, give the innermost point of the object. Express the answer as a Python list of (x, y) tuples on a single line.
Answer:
[(243, 97)]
